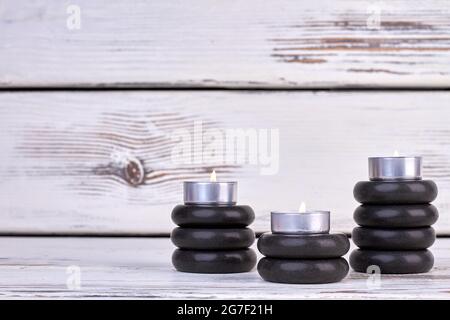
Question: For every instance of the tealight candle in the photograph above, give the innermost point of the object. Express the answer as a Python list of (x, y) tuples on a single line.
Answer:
[(395, 168), (395, 180), (210, 193), (301, 222)]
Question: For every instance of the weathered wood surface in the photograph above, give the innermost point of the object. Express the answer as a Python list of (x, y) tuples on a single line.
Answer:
[(101, 162), (141, 268), (323, 43)]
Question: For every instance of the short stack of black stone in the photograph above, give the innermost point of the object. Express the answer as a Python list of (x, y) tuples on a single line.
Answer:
[(213, 239), (394, 230), (303, 259)]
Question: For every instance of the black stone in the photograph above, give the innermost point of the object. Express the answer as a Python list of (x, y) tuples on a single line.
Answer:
[(197, 261), (303, 271), (396, 216), (317, 246), (395, 192), (393, 239), (392, 262), (212, 216), (212, 239)]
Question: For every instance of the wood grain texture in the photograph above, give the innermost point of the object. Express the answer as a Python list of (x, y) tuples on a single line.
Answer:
[(139, 268), (102, 163), (242, 43)]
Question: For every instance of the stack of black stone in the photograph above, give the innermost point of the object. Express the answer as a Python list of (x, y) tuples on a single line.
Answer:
[(303, 259), (213, 239), (394, 230)]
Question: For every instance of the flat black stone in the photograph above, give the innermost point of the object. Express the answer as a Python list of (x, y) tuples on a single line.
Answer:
[(212, 239), (393, 239), (395, 192), (316, 246), (197, 261), (392, 262), (303, 271), (396, 216), (212, 216)]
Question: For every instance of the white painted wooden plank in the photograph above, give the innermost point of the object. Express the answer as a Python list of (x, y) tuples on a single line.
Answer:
[(242, 43), (64, 155), (141, 268)]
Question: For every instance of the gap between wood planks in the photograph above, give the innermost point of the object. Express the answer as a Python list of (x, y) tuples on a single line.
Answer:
[(169, 87)]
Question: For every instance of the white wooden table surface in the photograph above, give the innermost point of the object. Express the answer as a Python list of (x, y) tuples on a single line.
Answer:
[(39, 267)]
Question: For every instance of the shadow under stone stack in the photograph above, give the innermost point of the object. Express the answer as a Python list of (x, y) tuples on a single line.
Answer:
[(394, 230), (213, 239)]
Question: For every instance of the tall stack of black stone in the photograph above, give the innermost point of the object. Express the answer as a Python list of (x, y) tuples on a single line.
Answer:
[(213, 239), (394, 230)]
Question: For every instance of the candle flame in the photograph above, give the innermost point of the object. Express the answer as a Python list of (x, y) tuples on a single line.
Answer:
[(396, 154), (213, 176), (302, 208)]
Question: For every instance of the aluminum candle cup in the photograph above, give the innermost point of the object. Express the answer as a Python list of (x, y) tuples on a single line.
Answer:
[(395, 168), (309, 222), (210, 193)]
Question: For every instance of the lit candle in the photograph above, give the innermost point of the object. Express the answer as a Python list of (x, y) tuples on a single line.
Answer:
[(300, 222), (395, 168), (210, 193)]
